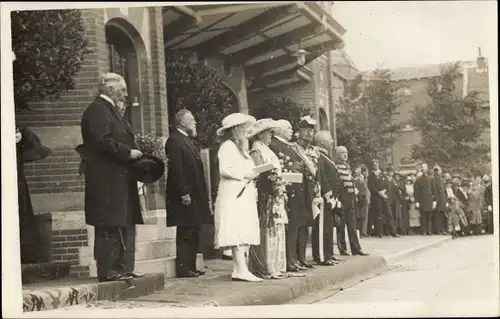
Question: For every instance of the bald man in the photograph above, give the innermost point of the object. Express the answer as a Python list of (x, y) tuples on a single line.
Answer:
[(111, 197), (348, 199)]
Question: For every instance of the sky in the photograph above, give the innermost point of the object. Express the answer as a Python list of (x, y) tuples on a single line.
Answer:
[(383, 34)]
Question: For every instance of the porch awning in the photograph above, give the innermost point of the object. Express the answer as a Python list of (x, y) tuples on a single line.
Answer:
[(260, 36)]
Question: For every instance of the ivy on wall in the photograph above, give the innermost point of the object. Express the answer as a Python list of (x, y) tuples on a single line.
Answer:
[(201, 90), (50, 48)]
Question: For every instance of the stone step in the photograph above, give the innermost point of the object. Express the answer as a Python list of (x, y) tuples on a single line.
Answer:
[(144, 233), (145, 250), (165, 265), (42, 272), (80, 291)]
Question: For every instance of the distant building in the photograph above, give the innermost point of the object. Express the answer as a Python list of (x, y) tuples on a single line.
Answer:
[(413, 82)]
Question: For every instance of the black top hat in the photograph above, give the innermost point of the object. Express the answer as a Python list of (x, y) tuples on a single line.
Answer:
[(147, 169)]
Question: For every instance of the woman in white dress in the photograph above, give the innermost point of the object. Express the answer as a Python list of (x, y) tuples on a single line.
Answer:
[(235, 217), (268, 260)]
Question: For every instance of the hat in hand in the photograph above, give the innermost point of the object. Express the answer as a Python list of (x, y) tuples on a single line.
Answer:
[(147, 169)]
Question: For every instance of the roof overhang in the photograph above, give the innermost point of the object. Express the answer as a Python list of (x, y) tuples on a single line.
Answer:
[(260, 36)]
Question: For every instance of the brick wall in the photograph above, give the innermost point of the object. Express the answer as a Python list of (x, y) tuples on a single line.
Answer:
[(66, 245), (59, 172)]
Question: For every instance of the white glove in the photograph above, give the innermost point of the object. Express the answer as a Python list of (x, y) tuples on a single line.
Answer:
[(417, 204), (434, 204), (447, 205), (339, 204), (356, 191), (490, 208)]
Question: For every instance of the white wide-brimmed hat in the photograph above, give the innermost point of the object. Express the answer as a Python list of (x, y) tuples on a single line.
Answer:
[(261, 126), (233, 120)]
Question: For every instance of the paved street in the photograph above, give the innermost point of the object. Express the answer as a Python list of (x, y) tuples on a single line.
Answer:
[(461, 271)]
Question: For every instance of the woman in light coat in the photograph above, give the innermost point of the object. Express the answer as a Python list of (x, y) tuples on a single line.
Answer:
[(268, 260), (476, 200), (235, 217)]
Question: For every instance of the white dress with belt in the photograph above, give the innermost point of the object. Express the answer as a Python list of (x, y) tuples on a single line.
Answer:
[(236, 219)]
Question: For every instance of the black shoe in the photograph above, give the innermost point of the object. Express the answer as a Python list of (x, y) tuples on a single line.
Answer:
[(305, 264), (299, 266), (117, 277), (291, 268), (360, 253), (344, 253), (200, 272), (134, 274), (395, 235), (224, 257), (188, 274), (336, 259)]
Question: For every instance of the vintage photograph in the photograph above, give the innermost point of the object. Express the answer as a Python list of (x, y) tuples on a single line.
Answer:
[(202, 156)]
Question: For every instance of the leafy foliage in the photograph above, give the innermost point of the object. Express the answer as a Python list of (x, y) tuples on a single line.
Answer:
[(365, 127), (202, 91), (50, 48), (150, 144), (279, 108), (450, 126)]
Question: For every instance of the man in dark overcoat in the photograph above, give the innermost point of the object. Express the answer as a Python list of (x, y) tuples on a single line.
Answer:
[(380, 210), (297, 209), (424, 199), (111, 196), (439, 202), (186, 193), (323, 246)]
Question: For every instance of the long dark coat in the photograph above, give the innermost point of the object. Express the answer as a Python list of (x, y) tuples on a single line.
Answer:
[(439, 193), (185, 176), (423, 193), (111, 196), (299, 195), (375, 185), (29, 149)]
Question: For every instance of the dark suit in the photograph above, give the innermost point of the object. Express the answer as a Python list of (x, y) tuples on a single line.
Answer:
[(111, 197), (439, 196), (423, 196), (186, 177), (298, 207), (330, 184), (380, 213)]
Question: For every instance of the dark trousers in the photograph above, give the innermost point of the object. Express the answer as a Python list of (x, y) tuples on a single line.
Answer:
[(114, 250), (296, 242), (375, 211), (438, 222), (327, 237), (187, 241), (348, 219), (362, 216), (426, 221), (384, 219)]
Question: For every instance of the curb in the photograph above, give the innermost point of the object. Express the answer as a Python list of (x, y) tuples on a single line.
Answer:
[(348, 273), (391, 259), (51, 298)]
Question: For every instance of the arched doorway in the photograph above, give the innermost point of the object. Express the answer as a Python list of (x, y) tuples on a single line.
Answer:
[(123, 59), (323, 120)]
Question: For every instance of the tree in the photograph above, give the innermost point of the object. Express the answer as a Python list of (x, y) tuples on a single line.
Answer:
[(279, 108), (50, 47), (202, 91), (365, 127), (450, 126)]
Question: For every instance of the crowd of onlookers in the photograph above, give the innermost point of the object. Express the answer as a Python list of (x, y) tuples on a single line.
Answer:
[(425, 202)]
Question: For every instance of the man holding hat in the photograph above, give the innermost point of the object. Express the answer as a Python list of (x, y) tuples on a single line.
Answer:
[(111, 196), (186, 193), (348, 195)]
